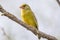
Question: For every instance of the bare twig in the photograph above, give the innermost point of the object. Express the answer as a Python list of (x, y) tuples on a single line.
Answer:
[(5, 34), (33, 30), (58, 2)]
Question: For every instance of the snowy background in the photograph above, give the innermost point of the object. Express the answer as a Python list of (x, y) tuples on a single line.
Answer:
[(47, 13)]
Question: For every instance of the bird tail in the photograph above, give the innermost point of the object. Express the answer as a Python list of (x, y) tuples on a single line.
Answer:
[(38, 37), (38, 34)]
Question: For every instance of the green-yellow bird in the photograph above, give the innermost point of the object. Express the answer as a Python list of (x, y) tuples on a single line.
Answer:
[(28, 16)]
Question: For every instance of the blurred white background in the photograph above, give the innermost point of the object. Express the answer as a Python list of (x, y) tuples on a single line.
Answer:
[(47, 13)]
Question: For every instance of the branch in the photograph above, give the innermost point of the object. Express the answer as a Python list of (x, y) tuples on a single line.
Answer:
[(33, 30), (58, 2)]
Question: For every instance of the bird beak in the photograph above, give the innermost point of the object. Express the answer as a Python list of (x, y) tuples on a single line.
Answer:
[(21, 7)]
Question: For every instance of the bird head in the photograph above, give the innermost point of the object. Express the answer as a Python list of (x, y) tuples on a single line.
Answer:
[(25, 7)]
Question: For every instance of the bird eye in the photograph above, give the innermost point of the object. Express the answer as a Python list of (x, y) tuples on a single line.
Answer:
[(24, 5)]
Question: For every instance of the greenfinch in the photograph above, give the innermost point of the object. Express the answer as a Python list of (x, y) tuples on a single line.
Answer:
[(28, 16)]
